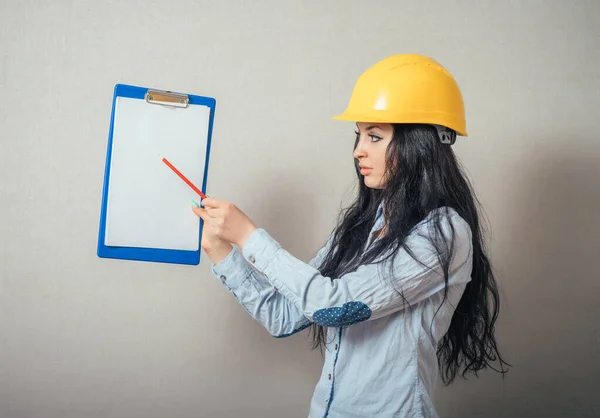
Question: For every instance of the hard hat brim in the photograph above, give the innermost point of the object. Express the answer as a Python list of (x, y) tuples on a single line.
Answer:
[(350, 117)]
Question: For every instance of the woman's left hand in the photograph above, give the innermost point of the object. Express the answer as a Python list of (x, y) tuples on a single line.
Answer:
[(230, 223)]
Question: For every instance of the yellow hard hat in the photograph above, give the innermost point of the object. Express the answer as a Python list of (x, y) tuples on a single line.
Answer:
[(407, 88)]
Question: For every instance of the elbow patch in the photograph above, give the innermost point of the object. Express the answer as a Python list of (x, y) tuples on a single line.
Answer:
[(348, 314)]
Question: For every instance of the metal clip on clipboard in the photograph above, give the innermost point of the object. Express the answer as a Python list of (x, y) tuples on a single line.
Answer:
[(167, 98)]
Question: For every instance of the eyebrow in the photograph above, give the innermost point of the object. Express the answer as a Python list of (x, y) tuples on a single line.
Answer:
[(368, 128)]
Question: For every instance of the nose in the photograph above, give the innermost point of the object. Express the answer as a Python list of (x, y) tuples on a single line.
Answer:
[(359, 152)]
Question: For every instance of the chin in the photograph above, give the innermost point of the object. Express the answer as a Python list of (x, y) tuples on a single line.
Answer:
[(371, 184)]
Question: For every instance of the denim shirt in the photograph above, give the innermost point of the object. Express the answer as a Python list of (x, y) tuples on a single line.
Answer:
[(380, 359)]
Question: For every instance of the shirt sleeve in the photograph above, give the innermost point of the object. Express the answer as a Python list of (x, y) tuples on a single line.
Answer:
[(260, 298), (371, 291)]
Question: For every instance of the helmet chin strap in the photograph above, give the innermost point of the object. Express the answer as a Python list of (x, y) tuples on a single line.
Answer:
[(447, 135)]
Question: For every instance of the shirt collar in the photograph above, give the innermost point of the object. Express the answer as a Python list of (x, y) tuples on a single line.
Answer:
[(379, 217)]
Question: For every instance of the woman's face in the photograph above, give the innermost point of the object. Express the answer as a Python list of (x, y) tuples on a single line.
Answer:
[(370, 151)]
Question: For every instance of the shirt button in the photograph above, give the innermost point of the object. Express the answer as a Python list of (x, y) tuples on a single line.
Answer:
[(252, 259), (329, 377), (223, 278), (335, 347)]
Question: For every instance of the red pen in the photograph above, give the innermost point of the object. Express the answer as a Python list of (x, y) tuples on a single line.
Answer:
[(184, 178)]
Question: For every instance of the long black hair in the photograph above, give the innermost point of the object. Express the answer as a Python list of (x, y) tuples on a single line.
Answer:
[(423, 174)]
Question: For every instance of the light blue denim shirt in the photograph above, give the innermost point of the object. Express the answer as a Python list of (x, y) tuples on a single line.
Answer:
[(381, 357)]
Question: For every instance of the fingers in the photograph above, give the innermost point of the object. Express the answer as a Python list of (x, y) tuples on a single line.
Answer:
[(206, 216), (206, 212), (212, 212), (210, 202), (201, 212)]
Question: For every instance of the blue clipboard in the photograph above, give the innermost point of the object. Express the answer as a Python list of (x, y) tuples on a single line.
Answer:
[(181, 245)]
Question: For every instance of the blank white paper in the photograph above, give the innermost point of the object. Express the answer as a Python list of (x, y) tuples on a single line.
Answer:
[(148, 205)]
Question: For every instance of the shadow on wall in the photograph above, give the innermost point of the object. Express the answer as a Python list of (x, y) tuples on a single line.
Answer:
[(547, 266)]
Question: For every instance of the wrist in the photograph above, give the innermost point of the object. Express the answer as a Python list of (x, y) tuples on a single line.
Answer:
[(249, 230), (219, 252)]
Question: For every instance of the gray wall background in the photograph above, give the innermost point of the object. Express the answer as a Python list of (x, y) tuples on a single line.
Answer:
[(87, 337)]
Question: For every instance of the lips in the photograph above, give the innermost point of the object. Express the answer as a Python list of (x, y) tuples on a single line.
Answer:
[(365, 170)]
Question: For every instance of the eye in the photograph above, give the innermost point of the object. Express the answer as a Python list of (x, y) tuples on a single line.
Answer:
[(375, 138)]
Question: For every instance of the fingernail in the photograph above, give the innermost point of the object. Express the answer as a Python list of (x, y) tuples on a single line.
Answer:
[(196, 205)]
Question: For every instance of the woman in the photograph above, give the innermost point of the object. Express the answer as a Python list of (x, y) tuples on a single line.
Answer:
[(403, 287)]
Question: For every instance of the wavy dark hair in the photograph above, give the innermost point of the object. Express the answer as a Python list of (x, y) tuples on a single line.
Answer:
[(423, 174)]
